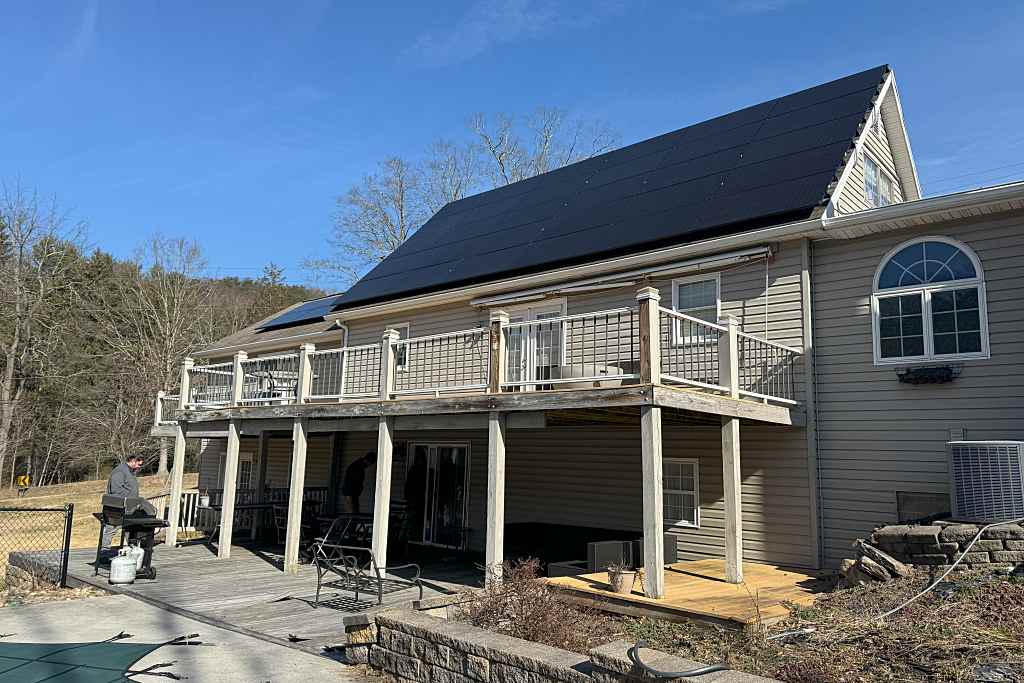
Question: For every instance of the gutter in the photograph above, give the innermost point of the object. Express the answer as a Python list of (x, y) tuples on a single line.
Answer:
[(927, 208), (804, 228)]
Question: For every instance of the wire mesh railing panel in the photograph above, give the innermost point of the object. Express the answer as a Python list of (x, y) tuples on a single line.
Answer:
[(328, 373), (270, 380), (34, 546), (592, 347), (766, 369), (361, 372), (456, 361), (210, 385), (169, 405), (690, 350)]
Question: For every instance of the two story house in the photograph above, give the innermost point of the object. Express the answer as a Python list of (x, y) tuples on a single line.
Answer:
[(750, 338)]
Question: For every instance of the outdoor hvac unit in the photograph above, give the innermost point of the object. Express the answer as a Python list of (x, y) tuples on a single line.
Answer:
[(986, 480)]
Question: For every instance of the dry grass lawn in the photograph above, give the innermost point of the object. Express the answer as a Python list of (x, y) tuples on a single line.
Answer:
[(86, 497)]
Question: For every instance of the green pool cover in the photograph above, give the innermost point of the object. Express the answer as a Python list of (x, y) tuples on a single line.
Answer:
[(109, 661)]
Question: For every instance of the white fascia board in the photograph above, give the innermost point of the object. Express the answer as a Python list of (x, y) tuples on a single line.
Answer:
[(804, 228), (930, 207), (271, 344), (906, 138)]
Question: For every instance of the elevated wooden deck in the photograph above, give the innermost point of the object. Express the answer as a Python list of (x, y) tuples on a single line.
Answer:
[(698, 590), (249, 593)]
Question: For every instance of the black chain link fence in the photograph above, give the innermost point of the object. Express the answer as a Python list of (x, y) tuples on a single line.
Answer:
[(34, 545)]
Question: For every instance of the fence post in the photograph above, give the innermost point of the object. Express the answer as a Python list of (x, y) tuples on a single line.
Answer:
[(650, 335), (158, 410), (238, 378), (305, 380), (69, 518), (496, 371), (178, 465), (387, 364), (729, 355)]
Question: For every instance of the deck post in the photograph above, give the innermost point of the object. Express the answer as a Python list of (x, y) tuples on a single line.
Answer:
[(496, 369), (732, 494), (227, 503), (728, 362), (650, 335), (387, 363), (238, 378), (305, 379), (497, 426), (178, 466), (382, 492), (654, 514), (158, 410), (296, 488)]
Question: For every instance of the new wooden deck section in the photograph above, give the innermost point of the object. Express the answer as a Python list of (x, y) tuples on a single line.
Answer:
[(698, 590), (249, 593)]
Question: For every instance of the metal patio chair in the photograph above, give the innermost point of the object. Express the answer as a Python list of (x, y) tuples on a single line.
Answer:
[(355, 568)]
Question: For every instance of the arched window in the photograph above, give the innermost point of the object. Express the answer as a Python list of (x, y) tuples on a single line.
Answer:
[(929, 303)]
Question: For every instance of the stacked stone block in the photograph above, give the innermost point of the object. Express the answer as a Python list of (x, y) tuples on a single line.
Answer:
[(938, 545)]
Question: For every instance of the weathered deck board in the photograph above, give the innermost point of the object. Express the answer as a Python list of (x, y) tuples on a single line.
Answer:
[(697, 589), (249, 592)]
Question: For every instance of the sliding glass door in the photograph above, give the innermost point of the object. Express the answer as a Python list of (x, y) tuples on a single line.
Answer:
[(437, 480)]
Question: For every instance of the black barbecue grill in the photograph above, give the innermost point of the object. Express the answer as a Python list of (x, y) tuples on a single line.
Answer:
[(138, 521)]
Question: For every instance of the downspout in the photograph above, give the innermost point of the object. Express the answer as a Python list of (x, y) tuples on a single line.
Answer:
[(810, 402)]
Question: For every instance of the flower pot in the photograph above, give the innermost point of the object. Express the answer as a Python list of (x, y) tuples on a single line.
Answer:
[(622, 581)]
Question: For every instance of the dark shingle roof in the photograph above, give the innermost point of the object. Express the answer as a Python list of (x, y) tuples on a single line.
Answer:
[(767, 164)]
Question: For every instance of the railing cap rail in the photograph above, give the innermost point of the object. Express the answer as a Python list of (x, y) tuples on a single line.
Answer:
[(769, 343), (575, 316), (428, 337), (360, 347), (690, 318), (276, 356)]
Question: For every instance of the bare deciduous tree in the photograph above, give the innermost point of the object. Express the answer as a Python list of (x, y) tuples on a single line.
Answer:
[(375, 216), (35, 253)]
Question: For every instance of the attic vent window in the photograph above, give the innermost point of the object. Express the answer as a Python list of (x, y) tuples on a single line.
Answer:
[(878, 186), (929, 304)]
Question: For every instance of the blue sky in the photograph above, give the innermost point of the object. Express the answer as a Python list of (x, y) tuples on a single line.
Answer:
[(239, 123)]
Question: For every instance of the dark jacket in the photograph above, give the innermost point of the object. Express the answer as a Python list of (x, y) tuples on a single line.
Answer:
[(355, 475), (122, 482)]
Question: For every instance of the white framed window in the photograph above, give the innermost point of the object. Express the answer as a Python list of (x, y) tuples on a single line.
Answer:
[(698, 296), (681, 492), (928, 304), (402, 352), (878, 186), (246, 471)]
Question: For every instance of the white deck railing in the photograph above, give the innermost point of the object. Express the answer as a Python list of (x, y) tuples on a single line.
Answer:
[(438, 363), (269, 380), (351, 372), (766, 369), (690, 351), (210, 385), (601, 348)]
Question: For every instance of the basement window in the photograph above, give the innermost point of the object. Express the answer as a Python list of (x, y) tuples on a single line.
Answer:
[(680, 492)]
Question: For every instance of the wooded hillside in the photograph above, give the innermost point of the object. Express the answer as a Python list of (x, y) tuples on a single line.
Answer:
[(86, 340)]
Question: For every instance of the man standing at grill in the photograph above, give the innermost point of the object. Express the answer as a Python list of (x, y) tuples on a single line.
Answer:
[(123, 484), (355, 476)]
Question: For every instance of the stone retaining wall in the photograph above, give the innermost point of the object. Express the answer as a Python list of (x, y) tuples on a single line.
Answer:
[(939, 544), (413, 646)]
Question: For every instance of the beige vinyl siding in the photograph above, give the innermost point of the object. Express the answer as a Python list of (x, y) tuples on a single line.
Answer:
[(279, 461), (877, 436), (211, 458), (851, 196), (591, 476)]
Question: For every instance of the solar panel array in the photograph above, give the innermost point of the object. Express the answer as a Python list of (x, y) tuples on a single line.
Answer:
[(304, 313), (766, 164)]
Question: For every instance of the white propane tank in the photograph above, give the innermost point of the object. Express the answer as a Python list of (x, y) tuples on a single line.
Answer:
[(122, 568), (138, 554)]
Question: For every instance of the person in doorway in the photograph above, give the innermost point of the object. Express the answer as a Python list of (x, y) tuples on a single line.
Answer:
[(123, 484), (415, 491), (355, 477)]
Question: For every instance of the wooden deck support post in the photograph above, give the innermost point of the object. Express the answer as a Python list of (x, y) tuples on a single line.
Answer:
[(650, 335), (178, 466), (227, 507), (305, 379), (158, 410), (496, 370), (728, 362), (653, 491), (497, 427), (382, 491), (296, 487), (387, 363)]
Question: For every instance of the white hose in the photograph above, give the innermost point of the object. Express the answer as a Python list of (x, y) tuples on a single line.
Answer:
[(951, 567)]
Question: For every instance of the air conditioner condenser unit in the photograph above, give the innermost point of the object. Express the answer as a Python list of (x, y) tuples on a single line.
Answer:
[(986, 480)]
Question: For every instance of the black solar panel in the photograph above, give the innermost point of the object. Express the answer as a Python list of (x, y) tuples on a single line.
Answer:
[(304, 313), (773, 161)]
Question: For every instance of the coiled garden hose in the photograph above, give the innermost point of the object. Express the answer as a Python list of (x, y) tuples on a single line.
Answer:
[(634, 656)]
